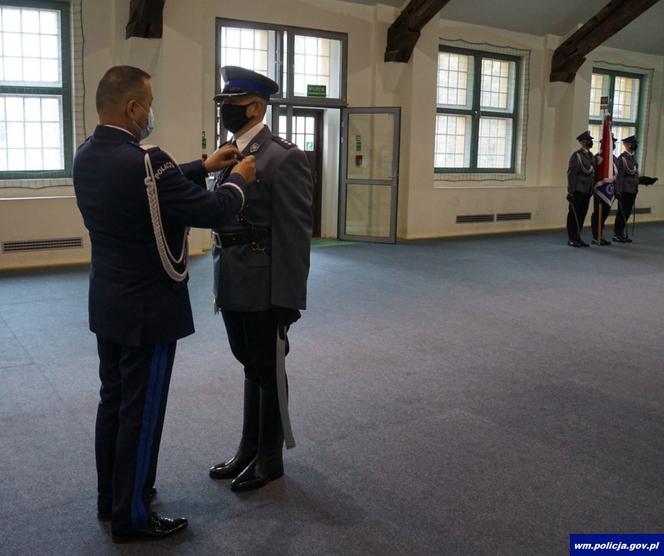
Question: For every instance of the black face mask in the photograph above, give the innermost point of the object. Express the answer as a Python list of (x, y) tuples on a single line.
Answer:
[(234, 116), (589, 144)]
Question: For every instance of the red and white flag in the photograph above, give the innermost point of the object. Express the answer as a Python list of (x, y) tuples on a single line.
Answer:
[(606, 176)]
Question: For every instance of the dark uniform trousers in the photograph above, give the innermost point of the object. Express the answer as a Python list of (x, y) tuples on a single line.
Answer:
[(595, 219), (130, 417), (625, 206), (252, 337), (580, 204)]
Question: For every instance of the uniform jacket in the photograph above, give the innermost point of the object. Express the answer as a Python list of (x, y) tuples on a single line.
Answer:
[(274, 272), (581, 172), (627, 180), (132, 301)]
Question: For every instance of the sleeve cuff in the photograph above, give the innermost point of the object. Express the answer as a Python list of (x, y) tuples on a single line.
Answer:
[(236, 181)]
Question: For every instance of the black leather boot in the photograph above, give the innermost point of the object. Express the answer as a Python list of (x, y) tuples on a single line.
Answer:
[(248, 448), (268, 464)]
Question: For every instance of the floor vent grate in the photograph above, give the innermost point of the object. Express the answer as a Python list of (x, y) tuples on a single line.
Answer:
[(471, 218), (42, 244)]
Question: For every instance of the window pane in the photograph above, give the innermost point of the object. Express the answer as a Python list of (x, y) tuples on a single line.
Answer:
[(303, 132), (495, 143), (455, 80), (30, 41), (596, 133), (498, 84), (452, 149), (253, 49), (317, 62), (599, 87), (625, 99), (31, 132)]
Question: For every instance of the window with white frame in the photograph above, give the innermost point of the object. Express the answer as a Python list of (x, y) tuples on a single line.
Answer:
[(35, 90), (624, 94), (477, 111)]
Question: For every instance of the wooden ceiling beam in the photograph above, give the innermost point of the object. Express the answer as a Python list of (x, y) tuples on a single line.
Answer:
[(570, 55), (146, 19), (403, 34)]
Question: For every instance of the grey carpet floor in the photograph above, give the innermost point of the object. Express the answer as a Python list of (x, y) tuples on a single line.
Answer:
[(467, 396)]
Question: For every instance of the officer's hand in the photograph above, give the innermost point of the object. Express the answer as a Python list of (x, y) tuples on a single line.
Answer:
[(222, 157), (246, 168), (618, 196), (285, 316), (570, 197)]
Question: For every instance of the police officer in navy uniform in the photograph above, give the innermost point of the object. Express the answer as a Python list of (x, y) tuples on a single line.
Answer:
[(261, 265), (597, 223), (137, 204), (580, 184)]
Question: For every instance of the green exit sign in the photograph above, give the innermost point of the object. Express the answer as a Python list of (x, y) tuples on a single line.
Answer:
[(317, 91)]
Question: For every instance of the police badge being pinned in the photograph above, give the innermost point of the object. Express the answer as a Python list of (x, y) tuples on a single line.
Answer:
[(254, 148)]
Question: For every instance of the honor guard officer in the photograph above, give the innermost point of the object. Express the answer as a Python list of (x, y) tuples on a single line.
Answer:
[(600, 207), (580, 183), (136, 203), (627, 187), (261, 265)]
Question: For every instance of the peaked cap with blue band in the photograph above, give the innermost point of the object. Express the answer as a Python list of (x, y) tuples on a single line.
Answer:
[(631, 140), (241, 81)]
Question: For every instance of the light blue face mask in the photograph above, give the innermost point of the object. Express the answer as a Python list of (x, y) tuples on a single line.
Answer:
[(145, 133), (150, 128)]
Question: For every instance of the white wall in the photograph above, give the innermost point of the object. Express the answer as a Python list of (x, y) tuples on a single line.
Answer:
[(182, 65)]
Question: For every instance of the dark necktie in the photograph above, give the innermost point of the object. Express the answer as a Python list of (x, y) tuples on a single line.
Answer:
[(223, 176)]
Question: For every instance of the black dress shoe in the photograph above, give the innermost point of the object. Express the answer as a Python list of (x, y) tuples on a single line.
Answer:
[(233, 467), (619, 239), (583, 243), (259, 473), (628, 239), (595, 242), (157, 528), (573, 243), (604, 242)]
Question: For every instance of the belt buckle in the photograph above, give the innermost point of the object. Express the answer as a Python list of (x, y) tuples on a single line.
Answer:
[(216, 240)]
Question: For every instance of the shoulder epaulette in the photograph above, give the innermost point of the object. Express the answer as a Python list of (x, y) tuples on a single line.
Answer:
[(282, 142)]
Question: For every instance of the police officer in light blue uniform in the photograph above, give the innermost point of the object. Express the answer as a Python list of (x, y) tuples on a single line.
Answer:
[(137, 204), (580, 184), (261, 265)]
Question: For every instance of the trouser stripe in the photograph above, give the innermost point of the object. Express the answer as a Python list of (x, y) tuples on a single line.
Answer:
[(153, 395)]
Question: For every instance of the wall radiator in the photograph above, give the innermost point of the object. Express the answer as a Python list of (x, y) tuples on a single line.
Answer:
[(42, 244)]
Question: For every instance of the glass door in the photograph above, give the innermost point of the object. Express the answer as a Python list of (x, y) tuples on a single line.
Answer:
[(369, 174)]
